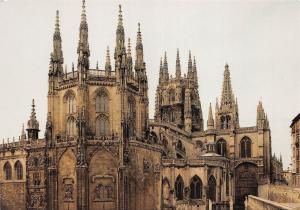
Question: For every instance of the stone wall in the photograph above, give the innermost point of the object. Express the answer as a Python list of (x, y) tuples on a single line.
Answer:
[(279, 193), (12, 196), (255, 203)]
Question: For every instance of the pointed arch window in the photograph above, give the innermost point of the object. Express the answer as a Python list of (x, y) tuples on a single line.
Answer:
[(19, 170), (102, 102), (212, 188), (246, 147), (196, 187), (221, 147), (71, 127), (179, 185), (102, 126), (7, 171), (71, 103)]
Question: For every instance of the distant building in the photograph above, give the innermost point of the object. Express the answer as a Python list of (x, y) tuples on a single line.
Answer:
[(295, 134)]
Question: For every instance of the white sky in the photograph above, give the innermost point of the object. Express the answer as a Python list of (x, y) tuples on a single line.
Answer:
[(259, 40)]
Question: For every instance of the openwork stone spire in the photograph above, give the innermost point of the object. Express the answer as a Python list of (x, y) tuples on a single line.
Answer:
[(83, 50), (190, 66), (227, 99), (33, 124), (178, 67), (139, 62), (161, 72), (165, 68), (195, 76), (56, 57), (120, 35)]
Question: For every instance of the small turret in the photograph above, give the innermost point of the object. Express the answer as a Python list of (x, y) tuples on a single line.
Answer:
[(33, 125), (23, 135), (210, 120)]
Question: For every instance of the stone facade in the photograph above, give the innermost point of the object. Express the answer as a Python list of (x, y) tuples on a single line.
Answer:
[(101, 151)]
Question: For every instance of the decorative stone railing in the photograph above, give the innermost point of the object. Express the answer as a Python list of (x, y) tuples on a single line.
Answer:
[(255, 203)]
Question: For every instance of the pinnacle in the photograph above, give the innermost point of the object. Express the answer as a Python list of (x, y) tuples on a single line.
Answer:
[(129, 48)]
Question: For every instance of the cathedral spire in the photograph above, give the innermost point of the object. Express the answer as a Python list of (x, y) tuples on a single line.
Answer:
[(165, 68), (178, 67), (161, 72), (23, 135), (190, 66), (56, 60), (139, 62), (107, 63), (120, 35), (210, 120), (83, 50), (227, 99), (195, 76)]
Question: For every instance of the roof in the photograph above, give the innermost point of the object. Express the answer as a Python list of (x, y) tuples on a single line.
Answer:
[(295, 120)]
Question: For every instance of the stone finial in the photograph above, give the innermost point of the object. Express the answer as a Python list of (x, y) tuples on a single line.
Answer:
[(107, 61), (32, 122)]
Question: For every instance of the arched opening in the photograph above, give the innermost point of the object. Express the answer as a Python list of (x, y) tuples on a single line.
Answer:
[(246, 147), (221, 147), (225, 122), (180, 150), (196, 188), (70, 101), (179, 185), (245, 182), (18, 170), (7, 171), (102, 102), (166, 192), (212, 185)]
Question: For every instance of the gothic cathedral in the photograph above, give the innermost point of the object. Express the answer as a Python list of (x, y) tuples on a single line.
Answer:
[(101, 152)]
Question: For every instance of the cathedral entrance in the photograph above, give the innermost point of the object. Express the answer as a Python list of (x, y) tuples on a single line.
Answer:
[(245, 183)]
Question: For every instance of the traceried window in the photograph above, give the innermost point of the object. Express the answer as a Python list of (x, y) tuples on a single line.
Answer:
[(221, 147), (7, 171), (71, 127), (102, 103), (246, 147), (179, 185), (19, 170), (71, 104), (102, 126), (196, 188)]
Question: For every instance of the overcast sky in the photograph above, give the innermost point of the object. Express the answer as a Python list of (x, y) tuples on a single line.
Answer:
[(258, 39)]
